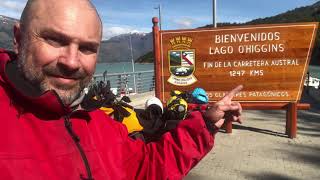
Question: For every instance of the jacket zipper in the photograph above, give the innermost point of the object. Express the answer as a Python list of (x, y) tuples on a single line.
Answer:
[(76, 139)]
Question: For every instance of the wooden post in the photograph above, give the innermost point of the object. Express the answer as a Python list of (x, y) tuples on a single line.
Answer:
[(156, 53), (288, 121), (291, 114), (228, 127), (292, 108)]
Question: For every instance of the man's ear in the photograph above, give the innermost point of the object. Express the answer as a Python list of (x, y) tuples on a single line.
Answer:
[(17, 37)]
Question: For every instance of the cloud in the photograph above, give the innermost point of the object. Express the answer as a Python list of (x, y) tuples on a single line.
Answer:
[(12, 8), (184, 22), (114, 30), (122, 14), (13, 5), (233, 19)]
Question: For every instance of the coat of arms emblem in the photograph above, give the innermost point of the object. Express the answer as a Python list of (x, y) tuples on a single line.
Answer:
[(181, 61)]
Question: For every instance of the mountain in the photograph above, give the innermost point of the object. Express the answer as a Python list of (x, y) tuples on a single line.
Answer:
[(146, 58), (6, 31), (118, 48), (302, 14)]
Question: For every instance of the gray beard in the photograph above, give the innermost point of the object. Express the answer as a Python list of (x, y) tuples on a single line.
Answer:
[(37, 79)]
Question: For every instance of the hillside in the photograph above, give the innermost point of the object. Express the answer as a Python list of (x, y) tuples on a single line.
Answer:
[(146, 58), (6, 32), (116, 49), (302, 14)]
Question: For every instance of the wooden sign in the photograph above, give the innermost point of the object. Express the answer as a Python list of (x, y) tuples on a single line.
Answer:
[(269, 60)]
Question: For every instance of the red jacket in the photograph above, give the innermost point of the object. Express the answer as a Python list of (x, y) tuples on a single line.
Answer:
[(42, 139)]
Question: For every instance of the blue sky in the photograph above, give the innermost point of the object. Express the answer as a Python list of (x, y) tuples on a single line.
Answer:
[(123, 16)]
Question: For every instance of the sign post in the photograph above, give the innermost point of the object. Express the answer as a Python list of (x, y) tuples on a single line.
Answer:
[(270, 61), (156, 54)]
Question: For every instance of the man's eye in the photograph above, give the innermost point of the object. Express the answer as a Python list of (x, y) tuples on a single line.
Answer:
[(88, 50), (55, 42)]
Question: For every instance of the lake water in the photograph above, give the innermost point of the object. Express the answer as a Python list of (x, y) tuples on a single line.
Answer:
[(314, 71), (144, 81), (122, 67)]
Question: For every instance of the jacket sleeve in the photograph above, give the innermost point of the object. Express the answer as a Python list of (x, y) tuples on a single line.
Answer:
[(173, 155)]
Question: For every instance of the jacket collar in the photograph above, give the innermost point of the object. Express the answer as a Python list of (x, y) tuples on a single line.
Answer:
[(48, 101)]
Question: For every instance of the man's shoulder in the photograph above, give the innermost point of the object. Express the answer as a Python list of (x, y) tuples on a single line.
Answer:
[(3, 50), (97, 113), (6, 54), (101, 117), (4, 97), (102, 120)]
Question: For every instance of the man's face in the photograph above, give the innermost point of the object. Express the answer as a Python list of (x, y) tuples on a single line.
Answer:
[(58, 50)]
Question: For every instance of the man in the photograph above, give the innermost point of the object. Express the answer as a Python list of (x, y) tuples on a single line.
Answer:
[(44, 132)]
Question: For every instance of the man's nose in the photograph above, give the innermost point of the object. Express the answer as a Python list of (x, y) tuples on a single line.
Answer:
[(69, 60)]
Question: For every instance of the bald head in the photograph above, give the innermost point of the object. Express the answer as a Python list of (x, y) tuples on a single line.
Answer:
[(39, 8), (57, 42)]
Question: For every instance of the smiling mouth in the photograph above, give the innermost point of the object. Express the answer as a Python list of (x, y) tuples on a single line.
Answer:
[(64, 80)]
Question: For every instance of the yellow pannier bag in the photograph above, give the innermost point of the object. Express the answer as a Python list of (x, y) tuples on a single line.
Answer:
[(131, 122)]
